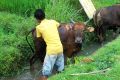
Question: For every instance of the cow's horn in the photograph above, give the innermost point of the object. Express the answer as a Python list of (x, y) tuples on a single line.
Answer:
[(87, 21), (72, 21)]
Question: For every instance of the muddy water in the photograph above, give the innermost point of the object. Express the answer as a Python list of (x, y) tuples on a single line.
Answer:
[(27, 75)]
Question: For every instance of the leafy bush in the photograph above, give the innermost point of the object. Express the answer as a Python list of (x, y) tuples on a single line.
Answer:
[(14, 48), (9, 60)]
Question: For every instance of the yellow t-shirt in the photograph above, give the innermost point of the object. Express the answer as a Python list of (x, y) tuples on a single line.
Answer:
[(48, 30)]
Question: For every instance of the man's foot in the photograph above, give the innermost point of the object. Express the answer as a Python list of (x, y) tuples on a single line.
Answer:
[(42, 78)]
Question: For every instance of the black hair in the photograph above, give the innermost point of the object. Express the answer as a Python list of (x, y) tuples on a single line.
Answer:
[(39, 14)]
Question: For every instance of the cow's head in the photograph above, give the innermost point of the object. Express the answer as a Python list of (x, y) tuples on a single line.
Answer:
[(78, 32), (79, 29)]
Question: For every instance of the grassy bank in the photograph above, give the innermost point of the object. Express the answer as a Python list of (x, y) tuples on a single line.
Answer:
[(106, 57)]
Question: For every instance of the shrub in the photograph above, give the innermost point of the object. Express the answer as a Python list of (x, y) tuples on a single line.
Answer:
[(15, 51), (9, 60)]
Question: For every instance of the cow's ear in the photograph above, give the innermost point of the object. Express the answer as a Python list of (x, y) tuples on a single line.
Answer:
[(90, 29)]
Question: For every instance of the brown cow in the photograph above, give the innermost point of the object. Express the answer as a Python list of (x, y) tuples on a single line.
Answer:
[(106, 18), (71, 36)]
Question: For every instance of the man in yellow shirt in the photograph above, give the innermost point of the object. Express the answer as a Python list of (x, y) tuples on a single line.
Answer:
[(47, 29)]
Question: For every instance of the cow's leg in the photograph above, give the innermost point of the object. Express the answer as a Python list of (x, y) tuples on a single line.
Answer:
[(115, 32), (65, 59), (72, 59), (118, 29), (98, 34), (32, 61), (104, 28), (101, 35)]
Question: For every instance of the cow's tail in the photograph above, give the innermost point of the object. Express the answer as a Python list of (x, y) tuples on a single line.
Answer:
[(28, 41)]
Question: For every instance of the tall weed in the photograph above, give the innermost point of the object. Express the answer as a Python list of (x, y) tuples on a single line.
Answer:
[(61, 10)]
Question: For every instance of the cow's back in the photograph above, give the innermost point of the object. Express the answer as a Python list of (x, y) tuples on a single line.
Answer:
[(110, 16)]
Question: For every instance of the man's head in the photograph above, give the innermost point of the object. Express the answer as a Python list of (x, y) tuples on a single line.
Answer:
[(39, 14)]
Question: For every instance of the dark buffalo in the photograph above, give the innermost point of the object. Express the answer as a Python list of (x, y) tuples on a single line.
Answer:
[(71, 36), (106, 18)]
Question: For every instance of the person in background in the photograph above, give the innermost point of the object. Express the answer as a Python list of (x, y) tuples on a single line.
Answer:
[(48, 30)]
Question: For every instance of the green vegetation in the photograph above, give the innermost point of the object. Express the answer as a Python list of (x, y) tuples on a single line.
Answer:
[(56, 9), (103, 3), (106, 57), (21, 7), (16, 21), (14, 49)]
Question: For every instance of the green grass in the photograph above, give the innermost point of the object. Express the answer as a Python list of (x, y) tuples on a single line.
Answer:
[(103, 3), (56, 9), (21, 7), (62, 11), (106, 57)]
